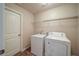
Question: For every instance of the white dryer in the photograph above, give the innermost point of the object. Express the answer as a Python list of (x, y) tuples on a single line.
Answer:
[(57, 44), (37, 44)]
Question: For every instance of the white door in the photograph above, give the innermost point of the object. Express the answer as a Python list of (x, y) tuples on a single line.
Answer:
[(12, 32)]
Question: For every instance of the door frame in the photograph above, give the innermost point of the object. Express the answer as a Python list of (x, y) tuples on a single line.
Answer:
[(21, 25)]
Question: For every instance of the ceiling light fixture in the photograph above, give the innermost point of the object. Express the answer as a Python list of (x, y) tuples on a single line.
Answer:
[(44, 4)]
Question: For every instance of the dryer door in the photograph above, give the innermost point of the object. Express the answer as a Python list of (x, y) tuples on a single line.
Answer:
[(37, 46), (55, 48)]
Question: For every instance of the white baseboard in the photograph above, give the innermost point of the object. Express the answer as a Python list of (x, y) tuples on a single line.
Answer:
[(12, 52), (26, 48)]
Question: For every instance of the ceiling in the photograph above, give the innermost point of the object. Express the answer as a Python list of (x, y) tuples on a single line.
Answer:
[(38, 7)]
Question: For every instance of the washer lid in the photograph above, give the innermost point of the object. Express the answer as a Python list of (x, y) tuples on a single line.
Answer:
[(58, 38), (57, 34)]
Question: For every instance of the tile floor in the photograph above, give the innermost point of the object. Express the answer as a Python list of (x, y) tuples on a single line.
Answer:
[(27, 52)]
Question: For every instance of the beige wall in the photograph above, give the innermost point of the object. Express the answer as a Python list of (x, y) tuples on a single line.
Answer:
[(58, 12), (27, 21), (1, 26), (69, 26), (78, 32)]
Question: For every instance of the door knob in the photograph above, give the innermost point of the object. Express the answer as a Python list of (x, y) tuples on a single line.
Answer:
[(19, 34), (48, 42)]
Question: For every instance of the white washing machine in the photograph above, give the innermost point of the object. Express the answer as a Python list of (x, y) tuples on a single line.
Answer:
[(37, 44), (57, 44)]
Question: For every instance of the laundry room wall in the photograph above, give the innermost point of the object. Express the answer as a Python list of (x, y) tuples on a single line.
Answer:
[(60, 19), (78, 31), (27, 21), (1, 27)]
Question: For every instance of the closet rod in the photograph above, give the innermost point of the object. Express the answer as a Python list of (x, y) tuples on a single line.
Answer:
[(57, 19)]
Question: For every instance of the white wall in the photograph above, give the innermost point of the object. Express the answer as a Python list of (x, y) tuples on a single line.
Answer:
[(69, 26), (1, 26), (27, 21)]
